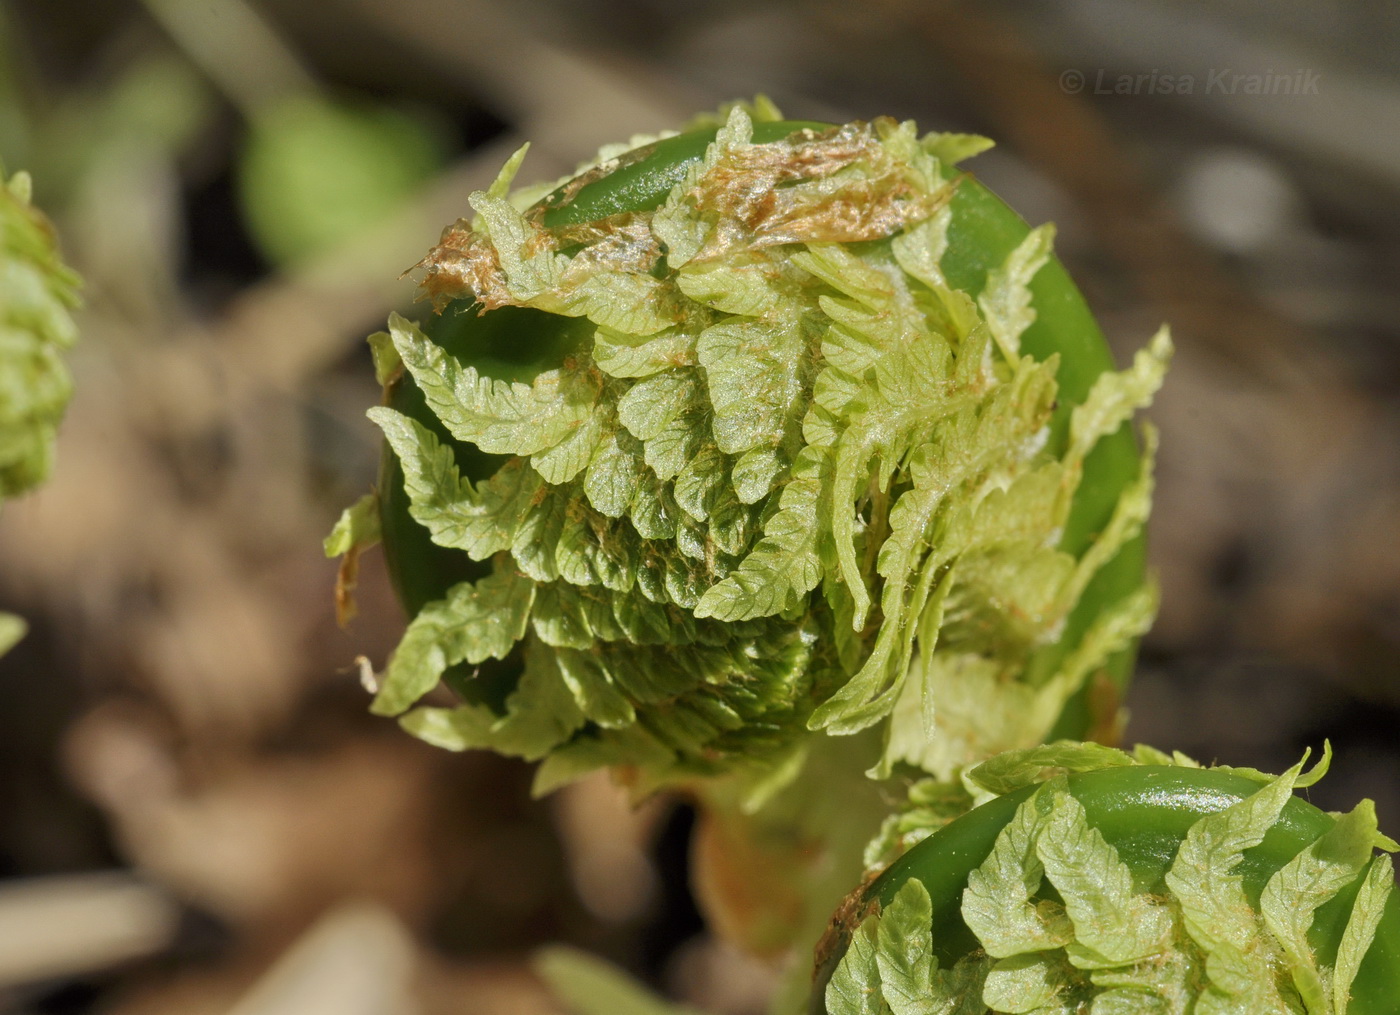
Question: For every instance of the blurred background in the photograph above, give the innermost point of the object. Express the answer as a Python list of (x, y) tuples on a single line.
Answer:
[(196, 812)]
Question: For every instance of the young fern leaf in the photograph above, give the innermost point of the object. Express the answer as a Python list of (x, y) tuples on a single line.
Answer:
[(903, 957), (1113, 926), (779, 472), (998, 904), (1361, 928), (38, 293), (1075, 906), (855, 987), (786, 564), (1293, 895), (540, 714), (476, 622), (1006, 302), (498, 417), (481, 520)]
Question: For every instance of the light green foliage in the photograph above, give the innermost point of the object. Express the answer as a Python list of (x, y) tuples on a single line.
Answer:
[(37, 295), (357, 528), (1008, 772), (480, 520), (1033, 983), (1103, 945), (1293, 895), (1112, 926), (973, 711), (541, 712), (1006, 301), (473, 623), (787, 473), (855, 986), (903, 954), (911, 982), (1360, 930), (12, 629), (1215, 910), (590, 986), (999, 905), (890, 969), (929, 805)]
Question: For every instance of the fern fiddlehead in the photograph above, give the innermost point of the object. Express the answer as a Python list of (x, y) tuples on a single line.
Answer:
[(820, 417), (1092, 879)]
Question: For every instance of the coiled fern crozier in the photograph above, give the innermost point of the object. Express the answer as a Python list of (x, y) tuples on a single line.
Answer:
[(1092, 880), (796, 466)]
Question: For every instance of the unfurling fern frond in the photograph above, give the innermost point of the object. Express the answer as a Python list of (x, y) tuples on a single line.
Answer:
[(787, 476)]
